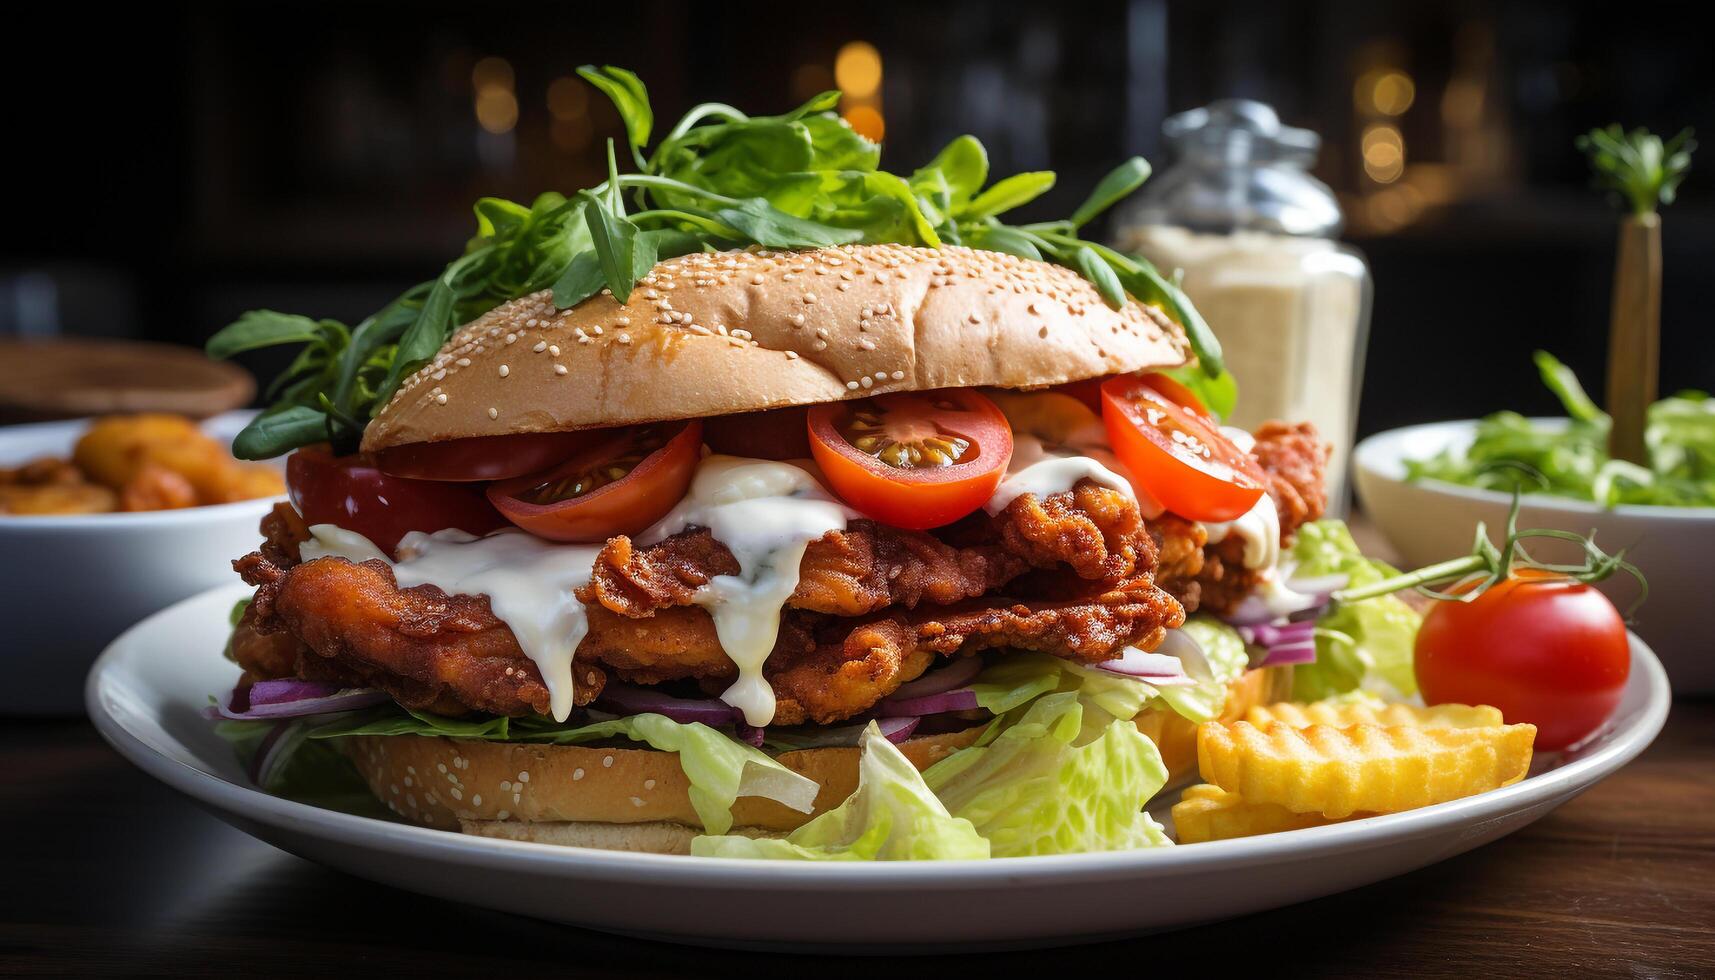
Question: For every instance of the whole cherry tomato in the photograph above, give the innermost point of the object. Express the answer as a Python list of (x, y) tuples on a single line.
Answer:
[(1543, 648)]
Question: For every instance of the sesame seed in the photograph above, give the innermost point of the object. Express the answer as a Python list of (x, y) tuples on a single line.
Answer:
[(463, 362), (493, 412), (577, 774), (791, 355), (649, 784), (441, 399), (852, 385), (597, 328), (455, 793), (511, 338), (636, 801), (502, 815), (868, 382), (899, 375), (541, 345), (623, 321), (554, 349), (867, 344), (476, 800), (524, 777), (504, 370), (809, 297), (607, 762), (625, 338)]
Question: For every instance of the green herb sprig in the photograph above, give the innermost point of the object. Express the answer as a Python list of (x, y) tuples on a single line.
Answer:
[(719, 179), (1640, 166)]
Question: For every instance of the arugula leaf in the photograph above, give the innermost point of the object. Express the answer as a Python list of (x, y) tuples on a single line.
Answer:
[(1118, 183), (765, 224), (629, 96), (719, 179), (1008, 193)]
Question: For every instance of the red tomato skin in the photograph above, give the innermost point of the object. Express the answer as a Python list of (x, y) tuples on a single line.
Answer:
[(484, 458), (915, 500), (353, 493), (626, 506), (1544, 649), (1221, 488)]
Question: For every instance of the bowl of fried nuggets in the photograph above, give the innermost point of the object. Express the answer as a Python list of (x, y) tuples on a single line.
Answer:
[(103, 522), (1293, 765)]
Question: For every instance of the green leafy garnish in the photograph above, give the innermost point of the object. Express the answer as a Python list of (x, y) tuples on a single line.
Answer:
[(1359, 644), (1510, 453), (719, 179), (1639, 166)]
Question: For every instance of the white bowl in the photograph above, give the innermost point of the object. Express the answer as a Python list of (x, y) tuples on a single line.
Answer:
[(1432, 521), (70, 584)]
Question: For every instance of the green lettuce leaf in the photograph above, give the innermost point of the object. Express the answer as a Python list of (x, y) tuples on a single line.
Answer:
[(719, 768), (1043, 786), (1364, 644), (892, 816)]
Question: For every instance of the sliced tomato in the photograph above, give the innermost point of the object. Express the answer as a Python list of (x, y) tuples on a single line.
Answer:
[(778, 433), (915, 459), (1176, 451), (482, 458), (353, 493), (620, 485)]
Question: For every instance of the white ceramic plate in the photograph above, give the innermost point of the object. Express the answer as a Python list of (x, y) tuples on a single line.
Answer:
[(1432, 521), (70, 583), (146, 693)]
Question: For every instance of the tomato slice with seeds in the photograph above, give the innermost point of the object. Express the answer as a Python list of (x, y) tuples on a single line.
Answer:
[(619, 485), (913, 460), (353, 493), (481, 458), (1175, 449)]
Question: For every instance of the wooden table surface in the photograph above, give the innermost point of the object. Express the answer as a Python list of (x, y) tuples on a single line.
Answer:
[(107, 873)]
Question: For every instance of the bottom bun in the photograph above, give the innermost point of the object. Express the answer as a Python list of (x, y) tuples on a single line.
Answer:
[(639, 799)]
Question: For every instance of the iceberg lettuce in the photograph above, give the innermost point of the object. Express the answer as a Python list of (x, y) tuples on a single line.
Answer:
[(1043, 785), (892, 816), (1364, 644)]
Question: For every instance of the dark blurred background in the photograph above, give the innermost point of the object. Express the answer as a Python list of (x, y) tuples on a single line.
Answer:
[(183, 163)]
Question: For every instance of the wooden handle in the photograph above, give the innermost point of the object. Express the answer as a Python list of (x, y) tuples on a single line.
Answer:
[(1634, 336)]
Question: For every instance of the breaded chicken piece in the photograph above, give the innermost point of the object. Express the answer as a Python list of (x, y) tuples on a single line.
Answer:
[(860, 570)]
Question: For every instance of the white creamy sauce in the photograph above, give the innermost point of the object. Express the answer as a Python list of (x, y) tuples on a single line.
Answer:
[(1036, 468), (1239, 437), (1258, 527), (766, 513), (529, 583)]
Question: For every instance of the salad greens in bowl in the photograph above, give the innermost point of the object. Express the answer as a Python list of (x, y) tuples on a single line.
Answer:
[(1426, 486)]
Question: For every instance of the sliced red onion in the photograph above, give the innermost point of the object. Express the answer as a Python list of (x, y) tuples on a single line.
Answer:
[(1319, 584), (1300, 652), (1136, 663), (317, 699), (1180, 645), (633, 700), (1255, 608), (751, 735), (963, 699), (956, 674), (283, 691), (1268, 634)]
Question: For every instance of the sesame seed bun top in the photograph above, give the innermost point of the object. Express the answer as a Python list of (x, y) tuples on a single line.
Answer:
[(718, 333)]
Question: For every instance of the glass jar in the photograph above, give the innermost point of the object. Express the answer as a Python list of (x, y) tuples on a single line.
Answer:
[(1253, 235)]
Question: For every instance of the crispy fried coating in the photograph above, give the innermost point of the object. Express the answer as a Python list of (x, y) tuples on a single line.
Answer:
[(1296, 461), (422, 646), (860, 570), (1095, 530)]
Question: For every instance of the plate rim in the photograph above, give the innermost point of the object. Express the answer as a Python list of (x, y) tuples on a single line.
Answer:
[(419, 843)]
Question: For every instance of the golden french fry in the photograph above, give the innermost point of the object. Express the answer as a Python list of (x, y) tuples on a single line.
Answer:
[(116, 447), (1205, 813), (56, 498), (1340, 771), (1337, 715)]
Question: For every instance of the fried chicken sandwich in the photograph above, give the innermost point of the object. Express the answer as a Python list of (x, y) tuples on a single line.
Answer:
[(723, 510)]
